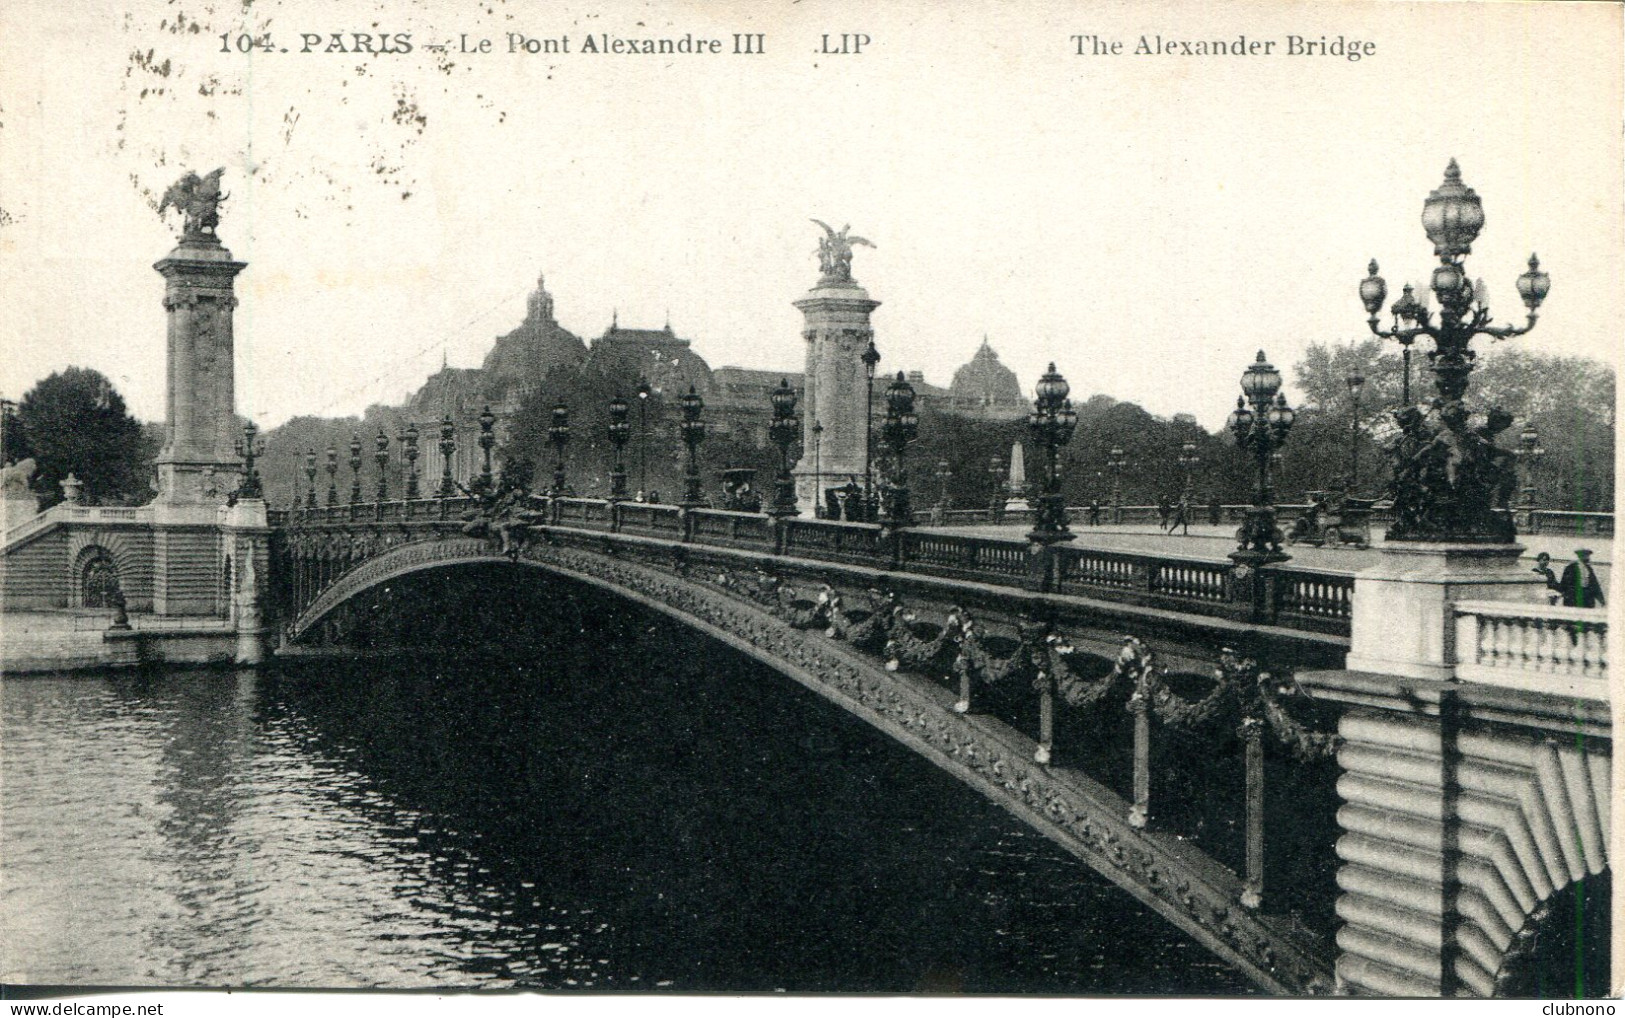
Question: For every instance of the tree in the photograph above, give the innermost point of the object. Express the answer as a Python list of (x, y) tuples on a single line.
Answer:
[(75, 422), (1568, 400), (13, 443)]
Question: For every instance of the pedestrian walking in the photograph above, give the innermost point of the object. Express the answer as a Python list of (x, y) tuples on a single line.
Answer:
[(1180, 517)]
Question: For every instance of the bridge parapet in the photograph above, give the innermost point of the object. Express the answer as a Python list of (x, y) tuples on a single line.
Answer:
[(1312, 600)]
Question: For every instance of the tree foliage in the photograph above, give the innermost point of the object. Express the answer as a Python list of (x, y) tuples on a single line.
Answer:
[(74, 421), (1568, 400)]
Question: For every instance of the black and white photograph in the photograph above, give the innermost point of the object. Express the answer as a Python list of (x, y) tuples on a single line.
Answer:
[(640, 504)]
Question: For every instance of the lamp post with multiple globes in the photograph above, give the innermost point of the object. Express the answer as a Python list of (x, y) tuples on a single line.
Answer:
[(488, 439), (1355, 381), (380, 456), (692, 430), (619, 431), (1260, 422), (1051, 423), (1188, 459), (1529, 453), (1453, 501), (782, 432), (870, 358), (643, 437), (558, 435), (901, 426), (409, 443), (310, 474), (355, 468), (248, 447), (995, 470), (1116, 460), (332, 476)]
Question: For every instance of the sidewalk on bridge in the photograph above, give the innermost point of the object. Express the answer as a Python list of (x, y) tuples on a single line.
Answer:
[(1215, 542)]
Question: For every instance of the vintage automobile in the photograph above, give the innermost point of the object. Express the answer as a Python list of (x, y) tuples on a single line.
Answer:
[(1333, 520)]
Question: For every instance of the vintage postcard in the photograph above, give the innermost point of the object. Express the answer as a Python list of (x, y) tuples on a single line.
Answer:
[(650, 499)]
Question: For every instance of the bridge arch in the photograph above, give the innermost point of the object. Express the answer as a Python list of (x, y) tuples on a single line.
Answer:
[(852, 663), (1563, 946)]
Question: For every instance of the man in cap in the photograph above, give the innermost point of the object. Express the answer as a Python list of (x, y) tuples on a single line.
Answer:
[(1581, 587)]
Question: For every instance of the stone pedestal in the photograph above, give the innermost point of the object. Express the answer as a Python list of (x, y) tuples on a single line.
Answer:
[(836, 389), (17, 509), (1402, 622), (197, 463)]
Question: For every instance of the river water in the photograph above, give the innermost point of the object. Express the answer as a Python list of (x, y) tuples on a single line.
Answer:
[(627, 809)]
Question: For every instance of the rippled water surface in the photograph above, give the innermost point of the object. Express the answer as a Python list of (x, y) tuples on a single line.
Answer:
[(655, 813)]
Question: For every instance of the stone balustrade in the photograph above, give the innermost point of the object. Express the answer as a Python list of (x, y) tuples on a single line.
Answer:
[(1540, 648), (64, 512)]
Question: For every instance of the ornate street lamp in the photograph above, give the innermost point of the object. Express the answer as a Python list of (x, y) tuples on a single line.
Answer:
[(409, 440), (692, 430), (1355, 381), (249, 447), (488, 439), (618, 433), (1260, 423), (558, 433), (643, 437), (310, 473), (1188, 459), (381, 457), (944, 475), (1051, 424), (1453, 500), (448, 449), (995, 470), (783, 433), (870, 358), (818, 470), (901, 427), (1116, 461), (1529, 453), (332, 476), (355, 468)]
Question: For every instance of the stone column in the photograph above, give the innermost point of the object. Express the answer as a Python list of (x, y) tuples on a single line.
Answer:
[(835, 389), (197, 462)]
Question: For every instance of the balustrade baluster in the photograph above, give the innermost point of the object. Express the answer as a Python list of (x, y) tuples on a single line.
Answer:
[(1046, 717)]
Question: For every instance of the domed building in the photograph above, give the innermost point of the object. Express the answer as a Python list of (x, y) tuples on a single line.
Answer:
[(661, 357), (523, 357), (984, 387)]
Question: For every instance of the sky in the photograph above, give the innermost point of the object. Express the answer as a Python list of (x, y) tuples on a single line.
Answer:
[(1147, 222)]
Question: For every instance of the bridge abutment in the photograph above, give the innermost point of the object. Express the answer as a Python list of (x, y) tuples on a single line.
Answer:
[(1475, 784), (189, 567), (1466, 808)]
